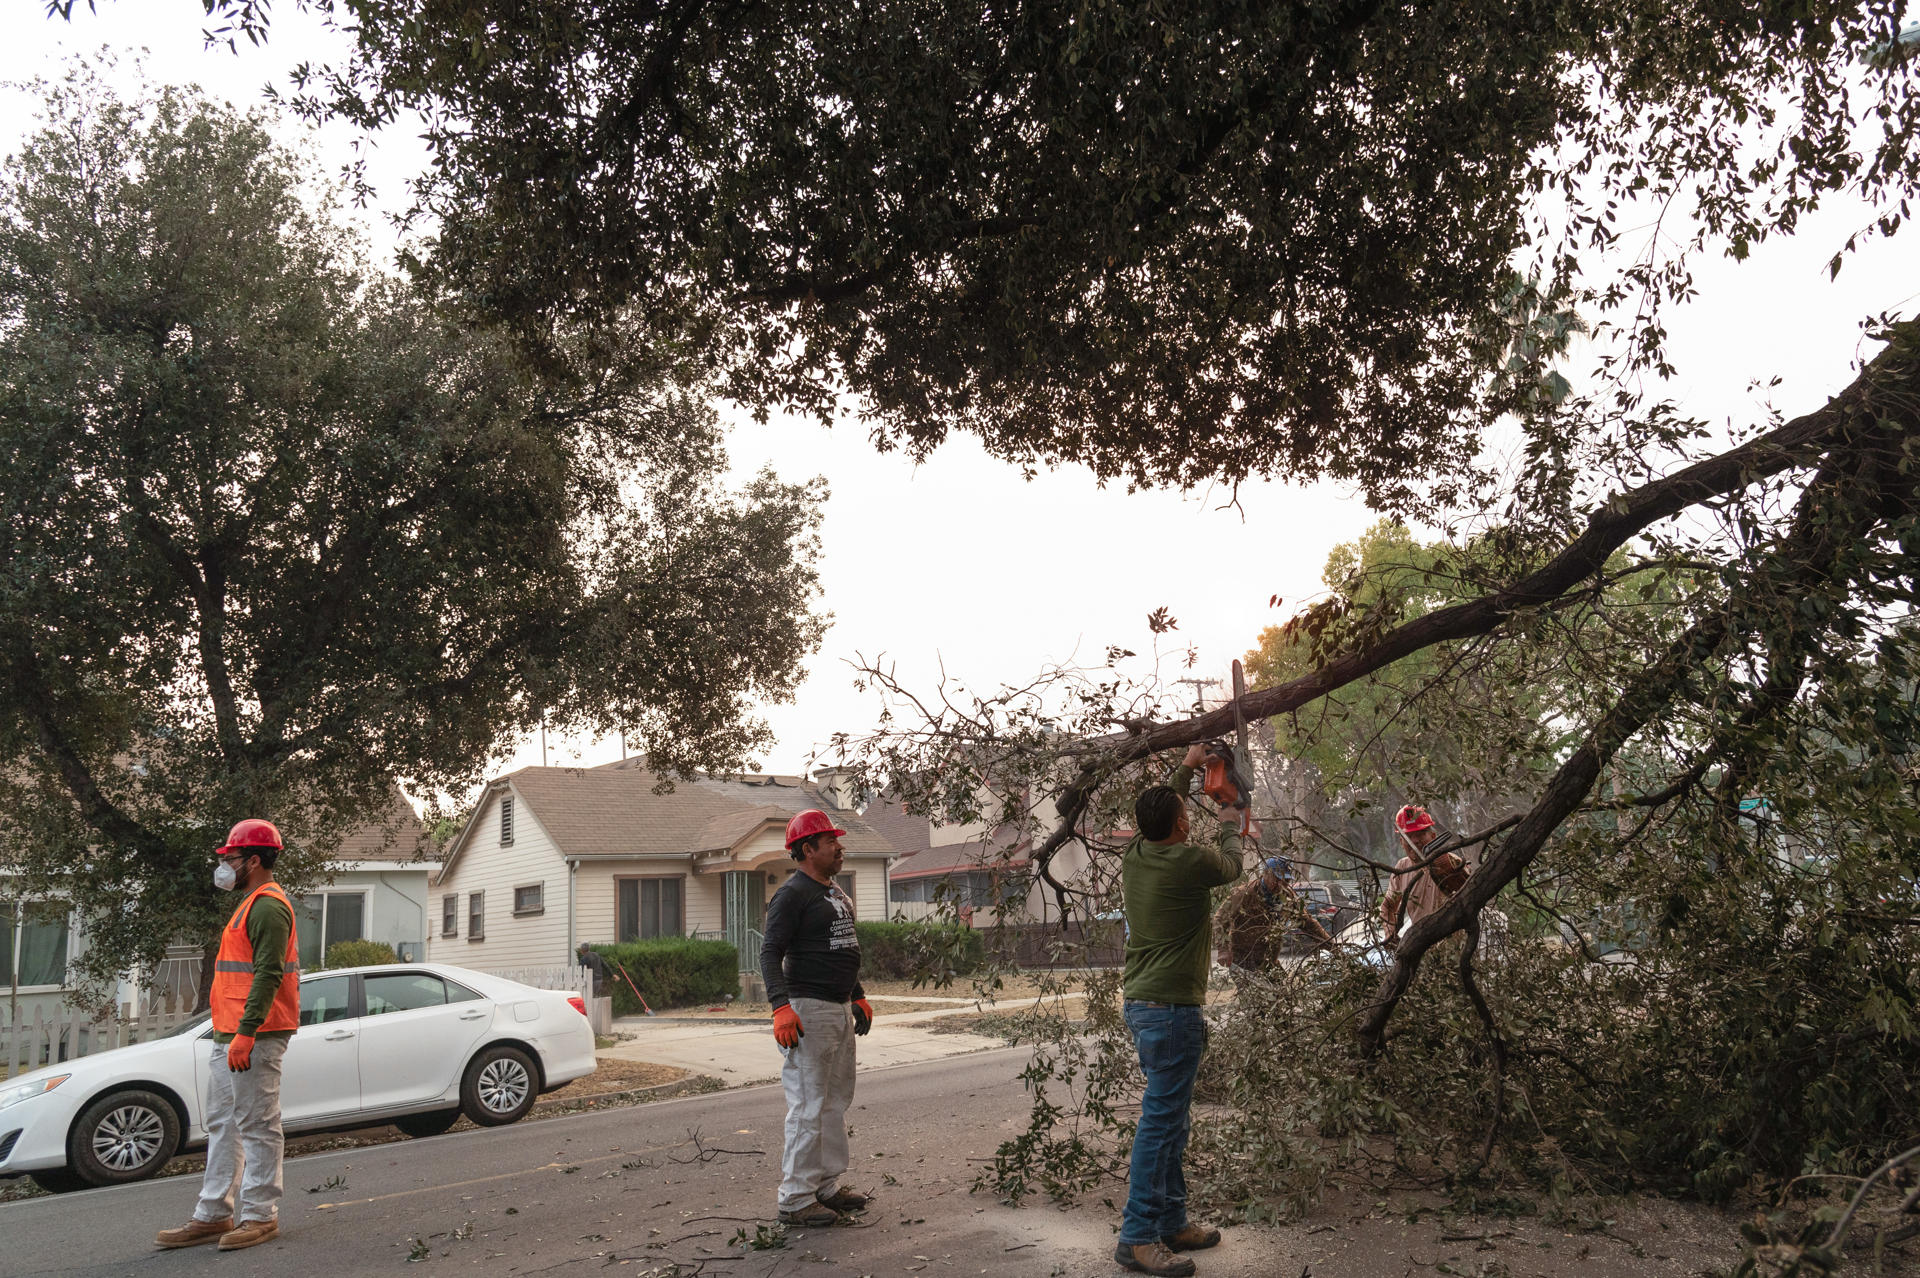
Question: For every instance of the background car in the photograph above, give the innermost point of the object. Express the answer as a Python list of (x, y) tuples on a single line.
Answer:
[(1323, 905), (416, 1045)]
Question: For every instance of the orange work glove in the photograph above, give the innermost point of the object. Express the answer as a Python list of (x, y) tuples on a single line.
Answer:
[(786, 1026), (240, 1053), (862, 1016)]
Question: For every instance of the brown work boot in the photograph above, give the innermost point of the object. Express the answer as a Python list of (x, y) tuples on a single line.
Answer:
[(1152, 1258), (845, 1199), (250, 1234), (812, 1216), (1193, 1237), (193, 1233)]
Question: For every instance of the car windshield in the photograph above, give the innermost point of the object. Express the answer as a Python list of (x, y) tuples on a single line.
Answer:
[(193, 1026)]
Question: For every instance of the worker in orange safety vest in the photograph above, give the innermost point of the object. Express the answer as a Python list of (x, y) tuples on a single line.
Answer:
[(256, 1009)]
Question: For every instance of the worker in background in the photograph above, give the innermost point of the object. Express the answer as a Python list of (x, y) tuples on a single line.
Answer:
[(1264, 915), (1424, 879)]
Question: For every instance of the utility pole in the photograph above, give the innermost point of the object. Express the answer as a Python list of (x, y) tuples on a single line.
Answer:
[(1199, 687), (543, 741)]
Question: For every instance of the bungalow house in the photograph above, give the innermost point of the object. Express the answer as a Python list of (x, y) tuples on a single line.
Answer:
[(555, 856), (377, 891), (980, 873)]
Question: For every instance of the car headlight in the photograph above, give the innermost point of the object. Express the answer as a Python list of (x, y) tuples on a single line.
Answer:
[(27, 1091)]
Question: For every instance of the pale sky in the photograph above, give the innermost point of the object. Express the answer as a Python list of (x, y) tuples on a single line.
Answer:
[(961, 562)]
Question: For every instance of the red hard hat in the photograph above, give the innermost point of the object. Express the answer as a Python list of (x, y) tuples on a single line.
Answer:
[(809, 823), (1409, 819), (251, 833)]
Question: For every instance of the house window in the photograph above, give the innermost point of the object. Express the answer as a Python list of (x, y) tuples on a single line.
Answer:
[(33, 943), (506, 821), (528, 898), (845, 882), (450, 914), (323, 918), (650, 907), (477, 917)]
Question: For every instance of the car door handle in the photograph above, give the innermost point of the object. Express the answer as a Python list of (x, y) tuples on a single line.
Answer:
[(474, 1015), (338, 1036)]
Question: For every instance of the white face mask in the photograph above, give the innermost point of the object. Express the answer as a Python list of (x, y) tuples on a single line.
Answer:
[(225, 877)]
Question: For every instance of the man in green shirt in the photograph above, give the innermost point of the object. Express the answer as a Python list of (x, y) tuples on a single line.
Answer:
[(1166, 885)]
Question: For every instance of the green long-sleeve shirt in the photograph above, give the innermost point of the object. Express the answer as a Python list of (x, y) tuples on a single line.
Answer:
[(1167, 889), (269, 924)]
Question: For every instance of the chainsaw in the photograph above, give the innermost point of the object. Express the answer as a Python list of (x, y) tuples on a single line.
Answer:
[(1227, 768)]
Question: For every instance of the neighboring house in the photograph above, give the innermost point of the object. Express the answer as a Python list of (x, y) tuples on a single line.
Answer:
[(378, 891), (979, 874), (556, 856)]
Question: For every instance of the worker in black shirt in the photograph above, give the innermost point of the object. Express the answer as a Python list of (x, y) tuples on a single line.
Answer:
[(810, 961)]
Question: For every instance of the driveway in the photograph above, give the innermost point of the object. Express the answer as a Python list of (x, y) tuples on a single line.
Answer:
[(743, 1051)]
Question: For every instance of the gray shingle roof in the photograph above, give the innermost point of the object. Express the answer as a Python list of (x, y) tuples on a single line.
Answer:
[(396, 836), (613, 810)]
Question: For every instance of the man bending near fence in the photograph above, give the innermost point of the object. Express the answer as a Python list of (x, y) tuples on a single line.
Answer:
[(810, 961), (256, 1008)]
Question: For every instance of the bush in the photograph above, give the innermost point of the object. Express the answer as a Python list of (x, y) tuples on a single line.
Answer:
[(670, 971), (358, 954), (932, 951)]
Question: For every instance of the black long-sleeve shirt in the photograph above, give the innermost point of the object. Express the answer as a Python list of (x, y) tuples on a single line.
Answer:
[(811, 949)]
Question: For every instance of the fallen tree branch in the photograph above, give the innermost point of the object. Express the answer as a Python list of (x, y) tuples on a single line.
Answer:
[(1797, 444), (1833, 516)]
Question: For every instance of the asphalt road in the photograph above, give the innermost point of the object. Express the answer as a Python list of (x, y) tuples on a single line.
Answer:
[(634, 1189)]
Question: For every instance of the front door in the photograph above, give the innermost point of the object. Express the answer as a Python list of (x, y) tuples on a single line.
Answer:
[(745, 914)]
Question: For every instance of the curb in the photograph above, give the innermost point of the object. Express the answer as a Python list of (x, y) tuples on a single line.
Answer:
[(694, 1020), (558, 1102)]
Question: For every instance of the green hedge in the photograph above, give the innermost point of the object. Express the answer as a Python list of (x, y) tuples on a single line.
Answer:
[(909, 951), (671, 971), (358, 954)]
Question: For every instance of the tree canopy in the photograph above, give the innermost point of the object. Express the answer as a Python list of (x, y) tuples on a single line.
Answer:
[(1175, 244), (280, 531)]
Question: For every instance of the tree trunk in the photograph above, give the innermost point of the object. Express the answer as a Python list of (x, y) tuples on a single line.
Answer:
[(203, 995)]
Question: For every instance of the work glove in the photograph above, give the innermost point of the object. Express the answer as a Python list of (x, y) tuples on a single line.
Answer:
[(240, 1053), (862, 1016), (786, 1026)]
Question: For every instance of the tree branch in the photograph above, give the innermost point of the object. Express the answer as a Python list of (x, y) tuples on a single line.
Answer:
[(1831, 519)]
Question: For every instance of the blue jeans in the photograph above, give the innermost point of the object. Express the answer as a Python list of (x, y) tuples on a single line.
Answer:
[(1170, 1040)]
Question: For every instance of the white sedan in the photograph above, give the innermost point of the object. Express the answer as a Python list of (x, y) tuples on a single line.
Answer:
[(415, 1045)]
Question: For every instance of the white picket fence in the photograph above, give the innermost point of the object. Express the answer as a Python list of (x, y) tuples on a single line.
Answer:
[(571, 978), (47, 1038)]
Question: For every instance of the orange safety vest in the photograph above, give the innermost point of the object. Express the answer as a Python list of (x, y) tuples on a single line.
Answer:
[(233, 972)]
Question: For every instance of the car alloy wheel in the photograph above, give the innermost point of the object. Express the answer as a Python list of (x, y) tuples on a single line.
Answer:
[(504, 1085), (128, 1137), (500, 1086), (123, 1136)]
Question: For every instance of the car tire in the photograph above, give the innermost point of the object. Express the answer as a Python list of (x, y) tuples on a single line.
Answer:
[(500, 1086), (122, 1137), (432, 1123), (57, 1180)]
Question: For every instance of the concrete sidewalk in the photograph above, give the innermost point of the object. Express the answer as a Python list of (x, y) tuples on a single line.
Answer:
[(738, 1053)]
